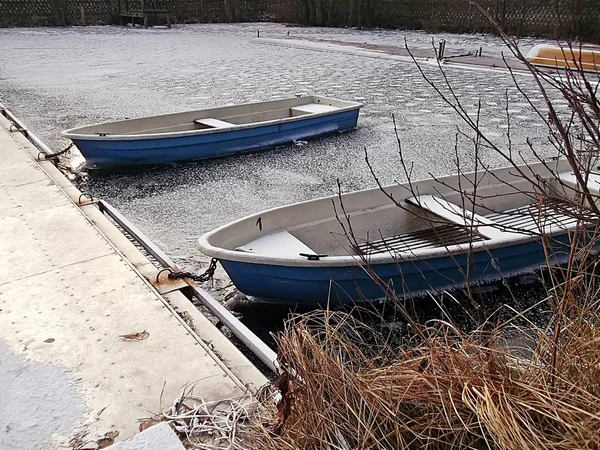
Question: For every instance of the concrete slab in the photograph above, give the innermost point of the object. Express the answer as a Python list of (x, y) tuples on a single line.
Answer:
[(27, 385), (159, 436), (16, 156), (232, 356), (16, 173), (56, 236), (70, 308), (29, 194)]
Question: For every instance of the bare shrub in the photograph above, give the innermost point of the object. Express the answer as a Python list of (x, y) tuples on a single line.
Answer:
[(345, 385)]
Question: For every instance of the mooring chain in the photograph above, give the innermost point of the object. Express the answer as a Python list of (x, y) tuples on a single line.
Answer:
[(202, 278), (52, 156), (66, 150)]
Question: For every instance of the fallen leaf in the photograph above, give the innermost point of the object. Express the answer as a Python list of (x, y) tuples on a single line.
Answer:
[(104, 442), (147, 424), (49, 340), (112, 435), (108, 439), (76, 442), (135, 336), (187, 319)]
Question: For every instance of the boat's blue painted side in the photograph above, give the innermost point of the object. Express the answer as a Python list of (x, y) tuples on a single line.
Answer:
[(112, 152), (310, 285)]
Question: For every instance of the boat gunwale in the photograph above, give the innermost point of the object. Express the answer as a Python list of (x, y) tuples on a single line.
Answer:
[(563, 59), (512, 238), (73, 135), (390, 257), (586, 48)]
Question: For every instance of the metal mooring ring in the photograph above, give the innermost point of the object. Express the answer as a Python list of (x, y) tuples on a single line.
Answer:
[(83, 194), (166, 269)]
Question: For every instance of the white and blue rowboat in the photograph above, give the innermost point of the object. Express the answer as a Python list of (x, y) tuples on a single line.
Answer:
[(211, 133), (301, 254)]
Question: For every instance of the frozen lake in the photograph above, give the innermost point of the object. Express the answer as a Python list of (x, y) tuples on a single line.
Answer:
[(58, 78)]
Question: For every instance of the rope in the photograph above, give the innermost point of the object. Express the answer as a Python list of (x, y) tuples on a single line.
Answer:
[(202, 278)]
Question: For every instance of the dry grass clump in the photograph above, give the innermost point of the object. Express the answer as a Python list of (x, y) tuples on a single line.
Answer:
[(346, 387), (228, 423)]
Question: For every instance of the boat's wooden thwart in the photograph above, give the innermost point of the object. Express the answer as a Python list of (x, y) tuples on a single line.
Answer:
[(586, 58), (301, 253), (211, 133)]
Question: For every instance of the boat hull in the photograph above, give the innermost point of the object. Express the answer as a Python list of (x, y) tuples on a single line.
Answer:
[(353, 284), (130, 152), (576, 58)]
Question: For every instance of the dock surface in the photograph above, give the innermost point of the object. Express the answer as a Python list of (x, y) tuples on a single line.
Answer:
[(87, 345)]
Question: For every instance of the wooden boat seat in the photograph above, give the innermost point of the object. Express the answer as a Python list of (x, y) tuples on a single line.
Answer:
[(312, 108), (213, 123), (281, 244), (457, 215)]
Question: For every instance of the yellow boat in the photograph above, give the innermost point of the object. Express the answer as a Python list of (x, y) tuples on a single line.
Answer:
[(585, 57)]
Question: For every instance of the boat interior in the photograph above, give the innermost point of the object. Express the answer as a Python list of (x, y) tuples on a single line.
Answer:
[(263, 116), (220, 118), (527, 220), (425, 222), (445, 225)]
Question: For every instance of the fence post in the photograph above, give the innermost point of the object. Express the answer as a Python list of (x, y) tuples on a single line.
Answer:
[(577, 18), (144, 15), (227, 5), (469, 16), (350, 12), (235, 13), (57, 11)]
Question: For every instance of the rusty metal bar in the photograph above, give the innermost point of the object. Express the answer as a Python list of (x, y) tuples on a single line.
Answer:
[(140, 237), (23, 129), (241, 331)]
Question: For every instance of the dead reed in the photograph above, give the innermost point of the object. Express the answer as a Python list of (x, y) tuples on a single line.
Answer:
[(346, 387)]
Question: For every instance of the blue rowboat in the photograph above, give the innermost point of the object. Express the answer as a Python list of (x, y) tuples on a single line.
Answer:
[(211, 133), (426, 236)]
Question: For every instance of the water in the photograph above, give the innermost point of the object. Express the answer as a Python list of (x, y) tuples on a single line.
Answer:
[(58, 78)]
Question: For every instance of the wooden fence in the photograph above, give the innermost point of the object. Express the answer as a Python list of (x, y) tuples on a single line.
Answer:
[(551, 18)]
